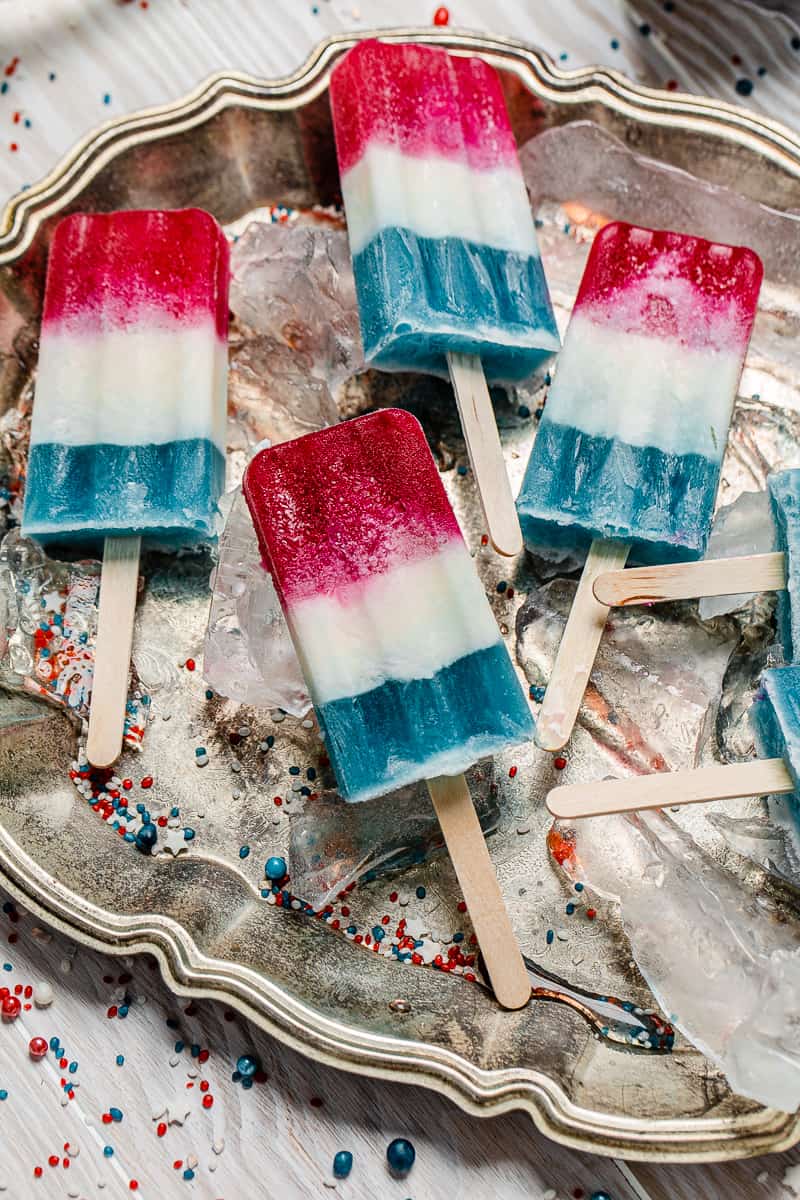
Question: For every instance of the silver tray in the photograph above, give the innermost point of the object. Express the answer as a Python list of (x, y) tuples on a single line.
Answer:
[(234, 144)]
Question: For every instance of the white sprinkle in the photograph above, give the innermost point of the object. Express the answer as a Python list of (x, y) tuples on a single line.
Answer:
[(307, 724), (243, 731), (403, 899), (42, 935), (263, 746), (577, 960), (155, 1113), (236, 766), (212, 1166), (73, 1193), (42, 994), (550, 1194), (562, 935), (192, 1074), (101, 1183), (278, 716), (218, 1146), (297, 785), (64, 1100), (524, 828), (276, 820), (762, 1177), (66, 966), (73, 1151), (237, 795), (191, 1161), (174, 1060)]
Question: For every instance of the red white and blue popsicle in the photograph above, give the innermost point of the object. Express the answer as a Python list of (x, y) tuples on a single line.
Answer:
[(401, 652), (447, 268), (128, 428)]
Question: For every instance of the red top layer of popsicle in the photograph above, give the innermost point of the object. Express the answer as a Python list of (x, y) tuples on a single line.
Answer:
[(421, 101), (671, 285), (112, 270), (347, 503)]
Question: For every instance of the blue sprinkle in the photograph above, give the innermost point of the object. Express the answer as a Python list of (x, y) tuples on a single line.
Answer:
[(53, 1043), (194, 1050), (342, 1164), (209, 694), (578, 887), (3, 87), (188, 1173), (172, 1022), (270, 740), (570, 909), (247, 1084), (175, 812), (294, 770), (615, 44), (744, 87), (188, 834), (108, 1151), (275, 867), (311, 773), (7, 967), (200, 751), (246, 1066), (244, 851), (421, 893), (795, 42), (536, 693), (563, 56), (115, 1114), (502, 585), (72, 1068), (550, 936), (107, 98), (51, 76), (378, 932), (265, 892), (761, 72), (400, 1155), (644, 30), (462, 470), (523, 411), (120, 1059), (8, 907), (178, 1047), (458, 937), (3, 1094)]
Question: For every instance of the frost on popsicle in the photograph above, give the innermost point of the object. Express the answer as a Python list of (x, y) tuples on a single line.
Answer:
[(722, 967)]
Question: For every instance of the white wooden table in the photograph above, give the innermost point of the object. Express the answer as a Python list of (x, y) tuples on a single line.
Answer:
[(68, 64)]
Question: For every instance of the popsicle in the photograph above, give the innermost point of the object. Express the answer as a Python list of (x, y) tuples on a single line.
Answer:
[(128, 427), (777, 571), (447, 268), (399, 647), (629, 449), (775, 718)]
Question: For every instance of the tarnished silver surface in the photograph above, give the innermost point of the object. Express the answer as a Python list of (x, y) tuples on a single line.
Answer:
[(234, 144)]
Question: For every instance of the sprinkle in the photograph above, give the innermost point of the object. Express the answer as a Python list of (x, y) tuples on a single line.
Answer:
[(441, 16), (120, 1059), (342, 1164), (190, 664), (591, 913), (244, 851), (559, 762), (744, 87), (421, 893), (550, 936), (107, 98)]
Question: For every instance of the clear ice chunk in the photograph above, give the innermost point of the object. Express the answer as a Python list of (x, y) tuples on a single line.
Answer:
[(249, 656), (744, 527), (333, 844), (722, 967)]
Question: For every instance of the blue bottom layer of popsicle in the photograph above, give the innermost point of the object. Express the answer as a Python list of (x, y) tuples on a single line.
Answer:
[(775, 720), (784, 488), (420, 297), (80, 494), (405, 731), (578, 488)]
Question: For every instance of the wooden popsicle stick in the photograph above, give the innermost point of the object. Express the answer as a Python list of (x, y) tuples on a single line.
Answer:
[(764, 776), (576, 654), (112, 653), (478, 881), (688, 581), (485, 452)]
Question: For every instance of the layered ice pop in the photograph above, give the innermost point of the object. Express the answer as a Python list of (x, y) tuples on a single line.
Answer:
[(444, 249), (128, 429), (775, 718), (447, 268), (401, 652), (629, 450), (399, 647), (631, 441)]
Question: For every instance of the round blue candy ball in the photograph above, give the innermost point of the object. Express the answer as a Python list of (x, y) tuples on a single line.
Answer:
[(400, 1155), (342, 1164), (601, 1195), (146, 838), (275, 868), (247, 1066)]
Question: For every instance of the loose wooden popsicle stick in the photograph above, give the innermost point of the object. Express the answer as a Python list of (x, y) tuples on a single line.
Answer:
[(688, 581), (576, 654), (112, 653), (485, 452), (667, 789), (478, 881)]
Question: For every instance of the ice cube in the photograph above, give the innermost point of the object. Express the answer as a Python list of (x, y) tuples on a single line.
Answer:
[(744, 527), (724, 970)]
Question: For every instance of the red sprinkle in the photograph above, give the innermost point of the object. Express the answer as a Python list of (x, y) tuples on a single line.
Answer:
[(591, 913), (133, 1185), (161, 1129), (441, 16), (37, 1172), (462, 908), (53, 1160), (147, 782), (208, 1101), (13, 147), (512, 772), (559, 762), (190, 664)]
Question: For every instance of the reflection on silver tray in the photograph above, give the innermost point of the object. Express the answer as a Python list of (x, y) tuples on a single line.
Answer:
[(233, 145)]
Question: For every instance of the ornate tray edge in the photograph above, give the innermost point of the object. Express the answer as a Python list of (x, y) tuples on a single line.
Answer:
[(185, 969)]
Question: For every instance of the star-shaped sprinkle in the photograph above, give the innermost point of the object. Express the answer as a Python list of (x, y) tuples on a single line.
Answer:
[(174, 842)]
